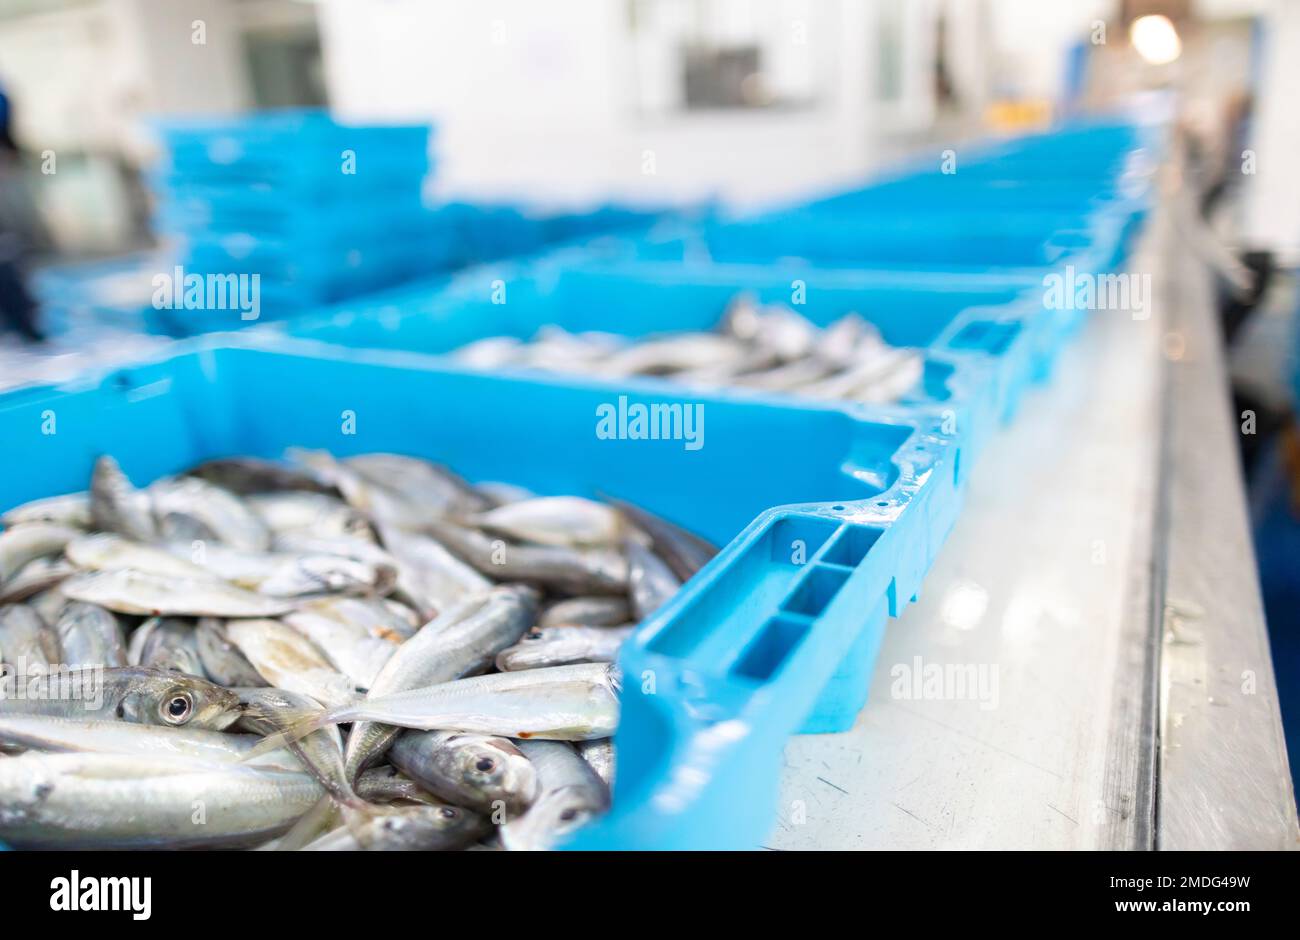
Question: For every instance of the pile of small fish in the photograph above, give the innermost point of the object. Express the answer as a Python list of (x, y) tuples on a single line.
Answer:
[(765, 347), (177, 660)]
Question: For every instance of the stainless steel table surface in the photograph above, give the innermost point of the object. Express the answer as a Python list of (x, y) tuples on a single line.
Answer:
[(1098, 595)]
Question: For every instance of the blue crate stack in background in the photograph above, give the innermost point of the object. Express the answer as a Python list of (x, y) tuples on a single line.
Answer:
[(317, 209)]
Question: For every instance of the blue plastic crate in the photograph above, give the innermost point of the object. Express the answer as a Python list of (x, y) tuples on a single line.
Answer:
[(780, 630), (983, 343), (288, 147)]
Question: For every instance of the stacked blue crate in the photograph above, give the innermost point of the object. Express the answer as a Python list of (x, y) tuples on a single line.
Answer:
[(313, 209)]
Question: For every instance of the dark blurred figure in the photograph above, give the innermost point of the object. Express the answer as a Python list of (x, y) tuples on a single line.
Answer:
[(18, 309)]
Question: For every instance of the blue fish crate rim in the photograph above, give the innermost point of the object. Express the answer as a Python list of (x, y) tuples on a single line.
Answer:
[(777, 634), (983, 345)]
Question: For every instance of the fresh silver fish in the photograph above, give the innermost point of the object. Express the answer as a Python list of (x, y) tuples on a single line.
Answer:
[(405, 829), (35, 577), (288, 660), (166, 643), (222, 661), (110, 736), (247, 475), (458, 643), (347, 644), (573, 570), (572, 794), (555, 520), (684, 552), (497, 493), (560, 646), (600, 755), (315, 514), (26, 640), (145, 696), (72, 509), (652, 582), (428, 575), (387, 784), (588, 611), (419, 481), (104, 551), (290, 575), (116, 505), (89, 635), (675, 353), (115, 801), (28, 542), (568, 703), (214, 510), (269, 711), (135, 592), (485, 773)]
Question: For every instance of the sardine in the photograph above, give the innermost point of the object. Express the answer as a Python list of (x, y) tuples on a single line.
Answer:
[(572, 794), (567, 703), (562, 645), (652, 581), (145, 696), (428, 575), (684, 552), (117, 506), (27, 640), (555, 520), (484, 773), (588, 611), (405, 829), (114, 801), (89, 635), (458, 643), (36, 577), (72, 509), (600, 755), (222, 661), (214, 509), (288, 660), (576, 571), (104, 551), (135, 592), (30, 541), (166, 643)]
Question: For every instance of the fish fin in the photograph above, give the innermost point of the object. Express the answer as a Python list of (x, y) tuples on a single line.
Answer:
[(615, 675), (321, 818), (297, 724)]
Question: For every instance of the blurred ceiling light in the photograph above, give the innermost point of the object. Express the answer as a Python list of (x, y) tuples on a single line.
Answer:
[(1155, 39)]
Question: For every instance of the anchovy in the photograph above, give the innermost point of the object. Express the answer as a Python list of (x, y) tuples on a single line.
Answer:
[(652, 581), (555, 520), (286, 659), (684, 552), (72, 509)]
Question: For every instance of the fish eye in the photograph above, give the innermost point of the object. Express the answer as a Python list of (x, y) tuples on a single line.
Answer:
[(534, 635), (177, 708), (448, 812), (569, 815), (485, 764)]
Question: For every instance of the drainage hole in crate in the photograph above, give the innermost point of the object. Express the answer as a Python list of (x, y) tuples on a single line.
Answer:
[(772, 647), (815, 592)]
